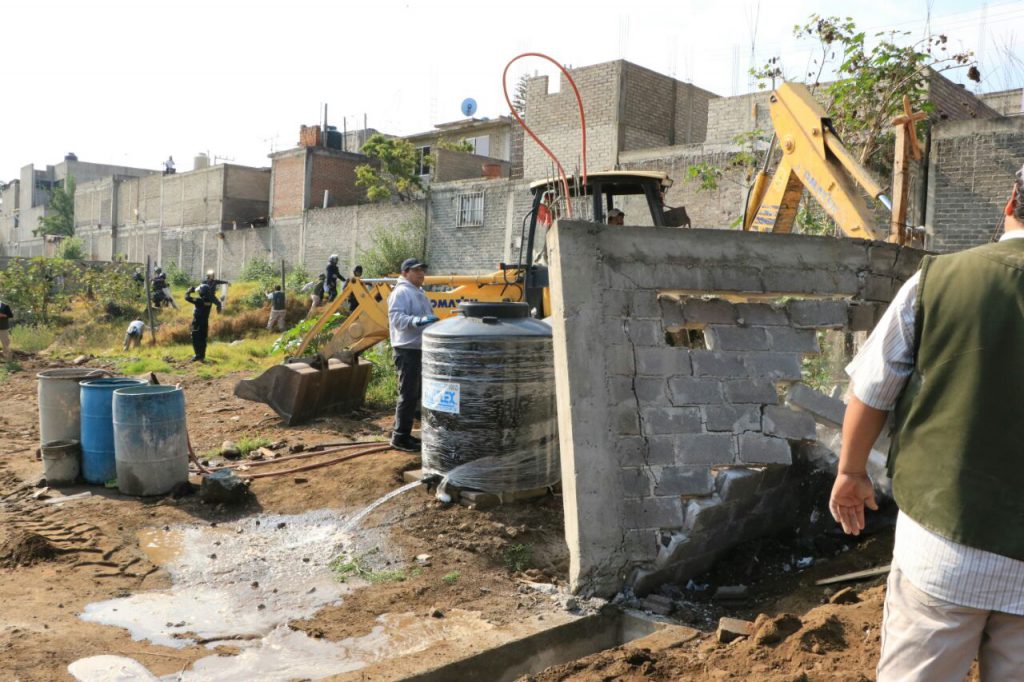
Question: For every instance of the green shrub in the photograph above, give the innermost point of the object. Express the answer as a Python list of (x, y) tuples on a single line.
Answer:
[(259, 270), (71, 248), (177, 277), (297, 278), (289, 341), (518, 558), (383, 387), (392, 246)]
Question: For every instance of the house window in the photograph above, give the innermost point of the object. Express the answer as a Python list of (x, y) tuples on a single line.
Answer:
[(423, 161), (481, 145), (471, 209)]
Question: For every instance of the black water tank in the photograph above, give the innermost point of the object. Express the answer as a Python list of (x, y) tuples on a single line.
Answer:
[(489, 399)]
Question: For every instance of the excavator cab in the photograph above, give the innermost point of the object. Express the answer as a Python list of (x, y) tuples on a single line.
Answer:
[(334, 380)]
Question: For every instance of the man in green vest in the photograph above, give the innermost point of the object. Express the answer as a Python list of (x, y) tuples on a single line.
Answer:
[(948, 357)]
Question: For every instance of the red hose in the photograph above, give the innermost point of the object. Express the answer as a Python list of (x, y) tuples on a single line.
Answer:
[(583, 121)]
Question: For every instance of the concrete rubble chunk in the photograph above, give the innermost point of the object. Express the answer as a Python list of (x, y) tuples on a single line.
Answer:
[(224, 487), (730, 629), (824, 410), (731, 592), (814, 314), (656, 603), (786, 423)]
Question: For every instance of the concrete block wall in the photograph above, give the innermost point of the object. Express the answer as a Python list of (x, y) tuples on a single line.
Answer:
[(472, 249), (554, 117), (732, 116), (674, 433), (658, 110), (1005, 102), (970, 176)]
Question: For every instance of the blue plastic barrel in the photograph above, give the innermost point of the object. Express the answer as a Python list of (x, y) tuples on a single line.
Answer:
[(150, 439), (96, 397)]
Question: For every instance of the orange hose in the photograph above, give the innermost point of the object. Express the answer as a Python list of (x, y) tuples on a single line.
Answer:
[(583, 121)]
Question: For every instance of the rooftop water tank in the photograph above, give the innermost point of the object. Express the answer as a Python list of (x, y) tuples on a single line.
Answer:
[(489, 419)]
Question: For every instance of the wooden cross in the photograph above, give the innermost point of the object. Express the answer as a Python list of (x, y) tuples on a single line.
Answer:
[(907, 147)]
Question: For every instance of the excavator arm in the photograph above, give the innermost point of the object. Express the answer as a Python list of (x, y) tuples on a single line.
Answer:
[(813, 158)]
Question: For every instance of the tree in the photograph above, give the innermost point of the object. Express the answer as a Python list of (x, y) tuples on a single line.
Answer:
[(870, 82), (395, 175), (62, 203)]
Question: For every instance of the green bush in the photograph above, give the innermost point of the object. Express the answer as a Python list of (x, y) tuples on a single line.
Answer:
[(383, 388), (392, 246), (260, 270), (71, 248), (37, 288), (177, 277), (289, 341), (297, 278)]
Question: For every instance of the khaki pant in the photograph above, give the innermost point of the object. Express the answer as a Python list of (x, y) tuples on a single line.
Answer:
[(5, 341), (925, 639), (132, 340), (314, 303), (276, 319)]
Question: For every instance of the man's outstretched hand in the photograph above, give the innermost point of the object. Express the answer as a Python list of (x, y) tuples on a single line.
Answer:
[(850, 494)]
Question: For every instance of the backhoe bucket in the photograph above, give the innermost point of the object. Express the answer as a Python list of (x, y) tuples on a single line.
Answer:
[(298, 391)]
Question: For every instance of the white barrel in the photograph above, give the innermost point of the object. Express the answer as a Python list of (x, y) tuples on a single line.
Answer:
[(60, 412), (61, 461)]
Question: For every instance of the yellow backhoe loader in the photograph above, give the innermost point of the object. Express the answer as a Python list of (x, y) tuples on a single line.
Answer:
[(335, 379)]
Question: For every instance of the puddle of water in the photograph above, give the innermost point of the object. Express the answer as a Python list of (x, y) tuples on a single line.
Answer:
[(239, 585), (233, 581), (161, 546), (286, 654)]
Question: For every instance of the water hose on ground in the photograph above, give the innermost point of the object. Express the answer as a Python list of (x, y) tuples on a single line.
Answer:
[(301, 455)]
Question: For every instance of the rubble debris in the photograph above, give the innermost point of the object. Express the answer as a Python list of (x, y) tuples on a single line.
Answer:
[(731, 593), (80, 360), (656, 603), (856, 575), (228, 450), (769, 630), (730, 629), (224, 487)]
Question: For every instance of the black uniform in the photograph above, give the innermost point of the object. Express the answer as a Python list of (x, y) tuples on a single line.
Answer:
[(333, 273), (204, 302)]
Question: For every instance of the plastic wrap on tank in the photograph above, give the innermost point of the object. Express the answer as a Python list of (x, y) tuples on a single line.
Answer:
[(489, 419)]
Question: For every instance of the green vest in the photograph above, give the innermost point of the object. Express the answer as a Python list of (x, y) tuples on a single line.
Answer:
[(957, 456)]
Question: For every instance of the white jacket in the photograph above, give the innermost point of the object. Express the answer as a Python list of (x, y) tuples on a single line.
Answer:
[(407, 305)]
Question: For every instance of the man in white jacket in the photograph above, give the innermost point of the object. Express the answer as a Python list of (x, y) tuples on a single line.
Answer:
[(409, 312)]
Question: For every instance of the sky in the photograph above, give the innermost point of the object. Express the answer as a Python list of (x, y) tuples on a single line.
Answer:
[(130, 82)]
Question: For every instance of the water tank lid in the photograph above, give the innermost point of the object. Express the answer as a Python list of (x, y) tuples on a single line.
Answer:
[(502, 311)]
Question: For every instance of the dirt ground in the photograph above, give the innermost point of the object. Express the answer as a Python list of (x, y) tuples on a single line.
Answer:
[(95, 553), (56, 559)]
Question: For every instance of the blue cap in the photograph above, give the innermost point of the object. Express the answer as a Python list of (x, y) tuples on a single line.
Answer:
[(410, 263)]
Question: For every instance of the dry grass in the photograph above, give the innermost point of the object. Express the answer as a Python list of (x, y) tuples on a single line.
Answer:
[(229, 327)]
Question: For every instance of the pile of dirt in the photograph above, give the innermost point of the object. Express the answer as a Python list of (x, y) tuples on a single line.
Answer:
[(25, 549), (837, 642)]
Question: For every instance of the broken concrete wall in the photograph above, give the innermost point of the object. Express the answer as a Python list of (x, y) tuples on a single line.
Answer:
[(673, 352)]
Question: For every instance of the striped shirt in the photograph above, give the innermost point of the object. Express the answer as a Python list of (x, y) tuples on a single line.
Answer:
[(937, 566)]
